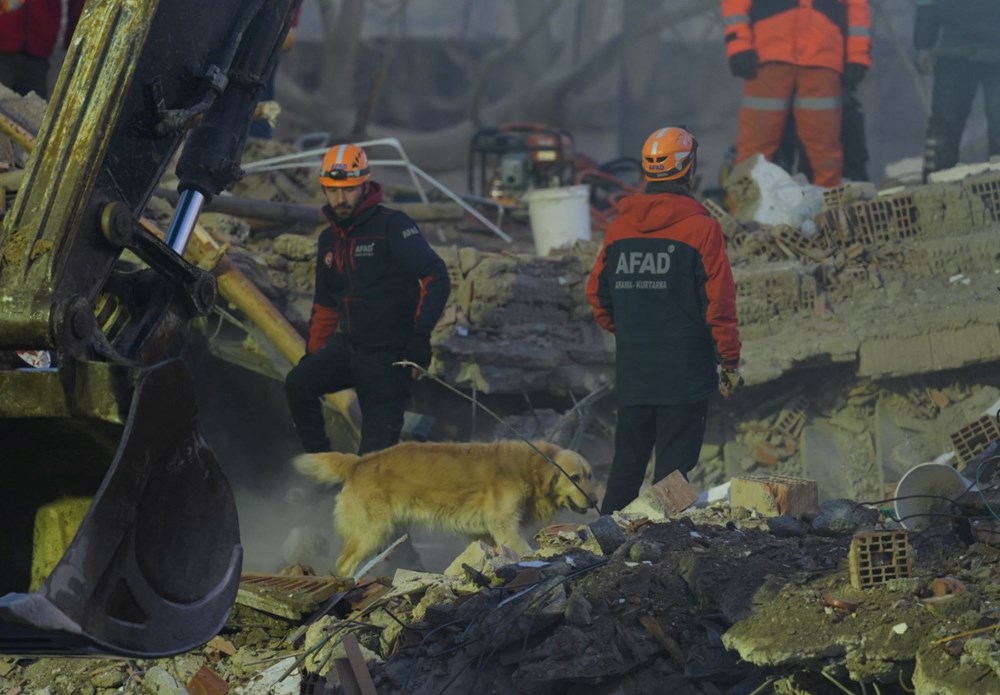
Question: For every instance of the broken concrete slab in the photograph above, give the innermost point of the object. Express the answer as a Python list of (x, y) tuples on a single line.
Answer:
[(939, 673), (792, 630), (323, 645), (962, 171), (159, 681), (273, 680), (411, 582), (929, 350), (287, 596), (775, 495), (483, 558)]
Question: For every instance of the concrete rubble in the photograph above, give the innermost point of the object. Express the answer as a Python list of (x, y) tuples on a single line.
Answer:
[(881, 308), (717, 598), (872, 343)]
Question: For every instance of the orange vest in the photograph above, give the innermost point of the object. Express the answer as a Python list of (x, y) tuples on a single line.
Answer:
[(813, 33)]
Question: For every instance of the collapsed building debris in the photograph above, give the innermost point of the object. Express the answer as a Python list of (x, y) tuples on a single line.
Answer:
[(873, 310), (715, 599)]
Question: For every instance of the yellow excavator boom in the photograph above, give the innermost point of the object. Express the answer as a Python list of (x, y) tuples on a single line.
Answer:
[(153, 568)]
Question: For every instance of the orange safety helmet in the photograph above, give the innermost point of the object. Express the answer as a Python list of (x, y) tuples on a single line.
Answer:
[(344, 166), (669, 154)]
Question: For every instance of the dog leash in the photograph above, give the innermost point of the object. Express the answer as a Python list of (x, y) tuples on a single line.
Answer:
[(472, 399)]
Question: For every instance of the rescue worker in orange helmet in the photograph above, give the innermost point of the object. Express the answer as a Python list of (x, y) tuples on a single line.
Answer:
[(380, 290), (662, 284), (795, 54)]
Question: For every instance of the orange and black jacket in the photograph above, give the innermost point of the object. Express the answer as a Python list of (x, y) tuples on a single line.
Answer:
[(813, 33), (663, 285), (377, 279), (34, 26)]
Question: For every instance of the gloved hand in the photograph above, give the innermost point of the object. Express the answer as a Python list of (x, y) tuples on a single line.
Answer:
[(854, 73), (925, 61), (730, 381), (743, 64), (419, 349)]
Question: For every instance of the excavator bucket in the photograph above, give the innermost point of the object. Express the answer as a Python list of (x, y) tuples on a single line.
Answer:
[(154, 567)]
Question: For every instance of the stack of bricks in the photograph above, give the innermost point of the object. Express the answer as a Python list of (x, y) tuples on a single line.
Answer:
[(973, 439), (843, 195), (778, 288), (795, 244), (879, 556), (792, 418), (986, 187), (937, 256), (890, 218), (731, 228), (832, 228), (949, 209), (750, 245)]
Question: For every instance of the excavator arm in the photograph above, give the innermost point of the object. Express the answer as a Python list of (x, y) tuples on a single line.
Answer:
[(154, 566)]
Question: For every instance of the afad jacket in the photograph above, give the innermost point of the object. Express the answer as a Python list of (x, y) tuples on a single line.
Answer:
[(812, 33), (663, 285), (33, 27), (377, 279)]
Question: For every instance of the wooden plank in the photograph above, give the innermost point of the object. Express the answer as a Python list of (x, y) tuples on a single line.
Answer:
[(348, 682), (358, 665)]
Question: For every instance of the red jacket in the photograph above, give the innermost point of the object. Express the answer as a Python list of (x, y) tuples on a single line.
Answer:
[(33, 27), (662, 284), (813, 33)]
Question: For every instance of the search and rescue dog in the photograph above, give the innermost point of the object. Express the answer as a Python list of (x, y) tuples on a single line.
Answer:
[(478, 489)]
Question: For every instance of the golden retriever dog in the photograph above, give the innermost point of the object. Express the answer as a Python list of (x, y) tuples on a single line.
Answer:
[(476, 489)]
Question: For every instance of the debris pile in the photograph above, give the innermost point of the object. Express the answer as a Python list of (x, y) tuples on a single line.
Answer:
[(892, 283), (722, 598), (872, 344)]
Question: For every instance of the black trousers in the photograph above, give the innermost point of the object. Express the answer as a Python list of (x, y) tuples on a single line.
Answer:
[(382, 392), (677, 432), (955, 84)]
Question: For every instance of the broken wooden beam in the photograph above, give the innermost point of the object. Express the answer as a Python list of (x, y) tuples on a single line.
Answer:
[(309, 215), (353, 671)]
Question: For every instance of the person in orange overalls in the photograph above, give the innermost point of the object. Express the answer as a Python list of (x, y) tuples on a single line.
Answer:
[(796, 55)]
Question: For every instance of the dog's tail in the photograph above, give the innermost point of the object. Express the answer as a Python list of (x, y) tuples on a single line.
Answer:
[(325, 467)]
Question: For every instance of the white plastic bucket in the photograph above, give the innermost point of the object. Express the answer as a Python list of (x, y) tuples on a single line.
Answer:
[(935, 480), (558, 216)]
